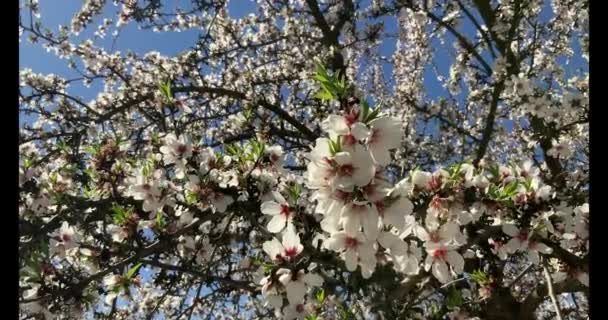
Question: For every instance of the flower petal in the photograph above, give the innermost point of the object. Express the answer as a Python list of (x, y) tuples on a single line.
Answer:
[(270, 208), (276, 224)]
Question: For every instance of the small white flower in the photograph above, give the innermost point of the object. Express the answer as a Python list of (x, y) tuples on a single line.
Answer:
[(360, 214), (385, 135), (281, 212), (287, 250), (439, 254), (63, 240), (354, 250), (297, 283), (396, 212), (521, 241)]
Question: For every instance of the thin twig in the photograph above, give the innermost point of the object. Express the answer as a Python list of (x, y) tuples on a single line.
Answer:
[(551, 293)]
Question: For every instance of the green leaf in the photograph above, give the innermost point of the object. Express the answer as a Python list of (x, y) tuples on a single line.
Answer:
[(120, 215), (133, 270), (165, 89), (191, 197), (267, 267), (294, 192), (324, 95), (320, 295), (480, 277), (373, 115), (510, 190), (90, 149), (528, 184), (494, 171), (233, 150), (364, 108), (311, 317), (160, 221), (455, 170), (27, 162), (148, 167), (454, 298), (332, 87)]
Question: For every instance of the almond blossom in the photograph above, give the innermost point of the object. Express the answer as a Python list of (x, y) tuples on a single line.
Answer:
[(281, 212), (521, 242), (355, 250), (286, 250)]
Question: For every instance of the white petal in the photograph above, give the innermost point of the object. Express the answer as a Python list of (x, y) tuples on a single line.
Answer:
[(510, 229), (331, 223), (380, 155), (542, 248), (110, 296), (291, 239), (370, 225), (350, 258), (359, 131), (367, 254), (343, 158), (533, 256), (367, 269), (272, 248), (428, 262), (313, 279), (296, 291), (421, 179), (456, 260), (270, 208), (279, 198), (441, 272), (275, 301), (513, 245), (335, 124), (284, 275), (390, 131), (336, 241), (421, 233), (351, 221), (276, 224)]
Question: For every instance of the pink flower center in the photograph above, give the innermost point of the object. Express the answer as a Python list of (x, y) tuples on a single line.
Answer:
[(279, 259), (66, 237), (351, 242), (440, 253), (291, 252), (343, 196), (300, 308), (285, 211), (146, 187), (435, 182), (351, 118), (436, 203), (181, 149), (522, 236), (349, 140), (346, 170)]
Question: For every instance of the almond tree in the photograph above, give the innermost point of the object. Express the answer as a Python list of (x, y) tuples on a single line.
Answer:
[(283, 166)]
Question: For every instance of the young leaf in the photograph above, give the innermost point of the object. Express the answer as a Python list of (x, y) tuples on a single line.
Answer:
[(320, 295), (133, 270), (454, 298)]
